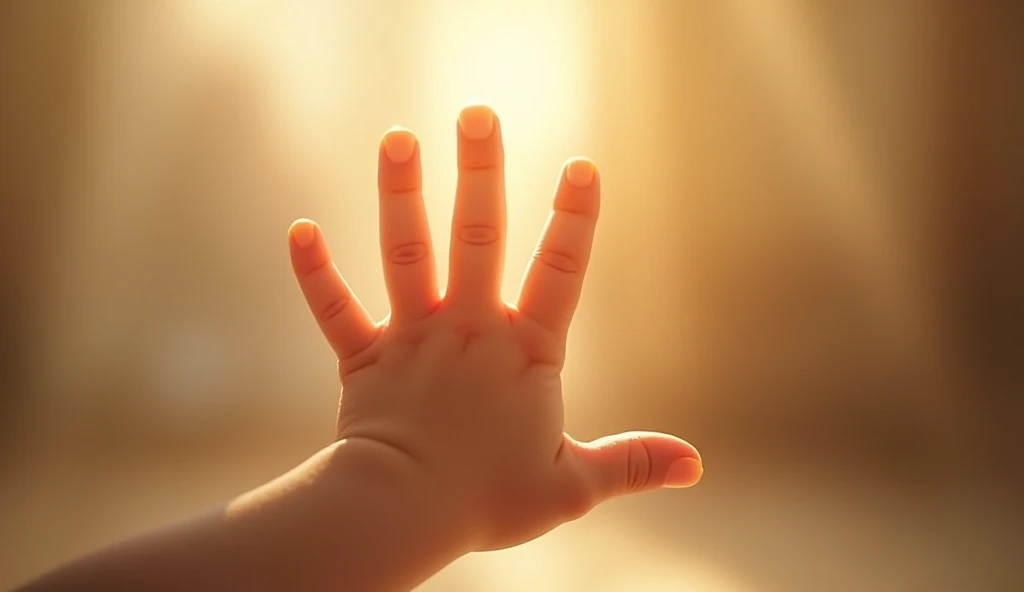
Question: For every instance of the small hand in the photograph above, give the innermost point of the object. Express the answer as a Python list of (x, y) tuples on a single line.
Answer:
[(464, 388)]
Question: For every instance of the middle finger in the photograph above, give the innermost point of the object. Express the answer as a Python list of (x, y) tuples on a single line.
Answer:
[(477, 256)]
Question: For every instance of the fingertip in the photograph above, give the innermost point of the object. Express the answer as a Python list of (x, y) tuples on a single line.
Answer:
[(479, 139), (398, 170), (398, 144), (684, 472), (579, 189), (580, 172), (303, 232), (683, 449), (669, 447), (477, 121)]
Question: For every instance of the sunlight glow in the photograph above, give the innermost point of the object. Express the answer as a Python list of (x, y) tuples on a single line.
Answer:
[(531, 63)]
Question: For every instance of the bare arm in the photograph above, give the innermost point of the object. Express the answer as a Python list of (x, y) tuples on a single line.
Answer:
[(355, 516)]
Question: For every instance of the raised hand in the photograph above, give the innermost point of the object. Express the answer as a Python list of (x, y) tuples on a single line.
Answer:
[(461, 393)]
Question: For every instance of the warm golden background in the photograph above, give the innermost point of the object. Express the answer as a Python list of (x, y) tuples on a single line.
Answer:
[(810, 264)]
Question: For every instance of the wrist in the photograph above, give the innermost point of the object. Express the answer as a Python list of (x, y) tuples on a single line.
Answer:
[(388, 525)]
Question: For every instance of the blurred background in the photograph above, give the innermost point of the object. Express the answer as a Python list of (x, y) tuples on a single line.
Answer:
[(810, 264)]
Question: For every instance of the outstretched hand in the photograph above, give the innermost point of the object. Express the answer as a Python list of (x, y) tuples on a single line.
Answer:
[(462, 392), (450, 425)]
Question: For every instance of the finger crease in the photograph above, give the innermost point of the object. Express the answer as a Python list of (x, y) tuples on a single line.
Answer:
[(556, 260), (408, 253), (588, 214), (400, 193), (318, 268), (334, 309), (478, 235), (345, 366)]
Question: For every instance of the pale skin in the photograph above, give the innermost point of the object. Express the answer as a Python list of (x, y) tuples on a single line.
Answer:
[(450, 429)]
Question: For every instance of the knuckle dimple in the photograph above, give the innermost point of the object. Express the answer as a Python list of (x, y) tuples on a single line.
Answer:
[(559, 261), (408, 253), (334, 309), (478, 235)]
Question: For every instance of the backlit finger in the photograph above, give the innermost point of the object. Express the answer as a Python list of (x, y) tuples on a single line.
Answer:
[(554, 278), (404, 233), (341, 317), (478, 223)]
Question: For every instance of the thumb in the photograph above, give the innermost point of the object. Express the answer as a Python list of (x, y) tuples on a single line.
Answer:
[(639, 461)]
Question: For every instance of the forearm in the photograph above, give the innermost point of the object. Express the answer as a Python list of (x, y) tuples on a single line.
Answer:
[(343, 520)]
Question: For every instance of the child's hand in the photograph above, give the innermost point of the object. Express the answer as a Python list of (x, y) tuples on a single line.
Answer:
[(450, 428), (461, 394)]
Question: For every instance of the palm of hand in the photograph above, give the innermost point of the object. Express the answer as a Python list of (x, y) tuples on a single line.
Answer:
[(464, 386)]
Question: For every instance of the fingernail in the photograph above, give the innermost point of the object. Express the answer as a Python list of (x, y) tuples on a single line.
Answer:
[(399, 145), (684, 472), (303, 233), (580, 173), (477, 122)]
